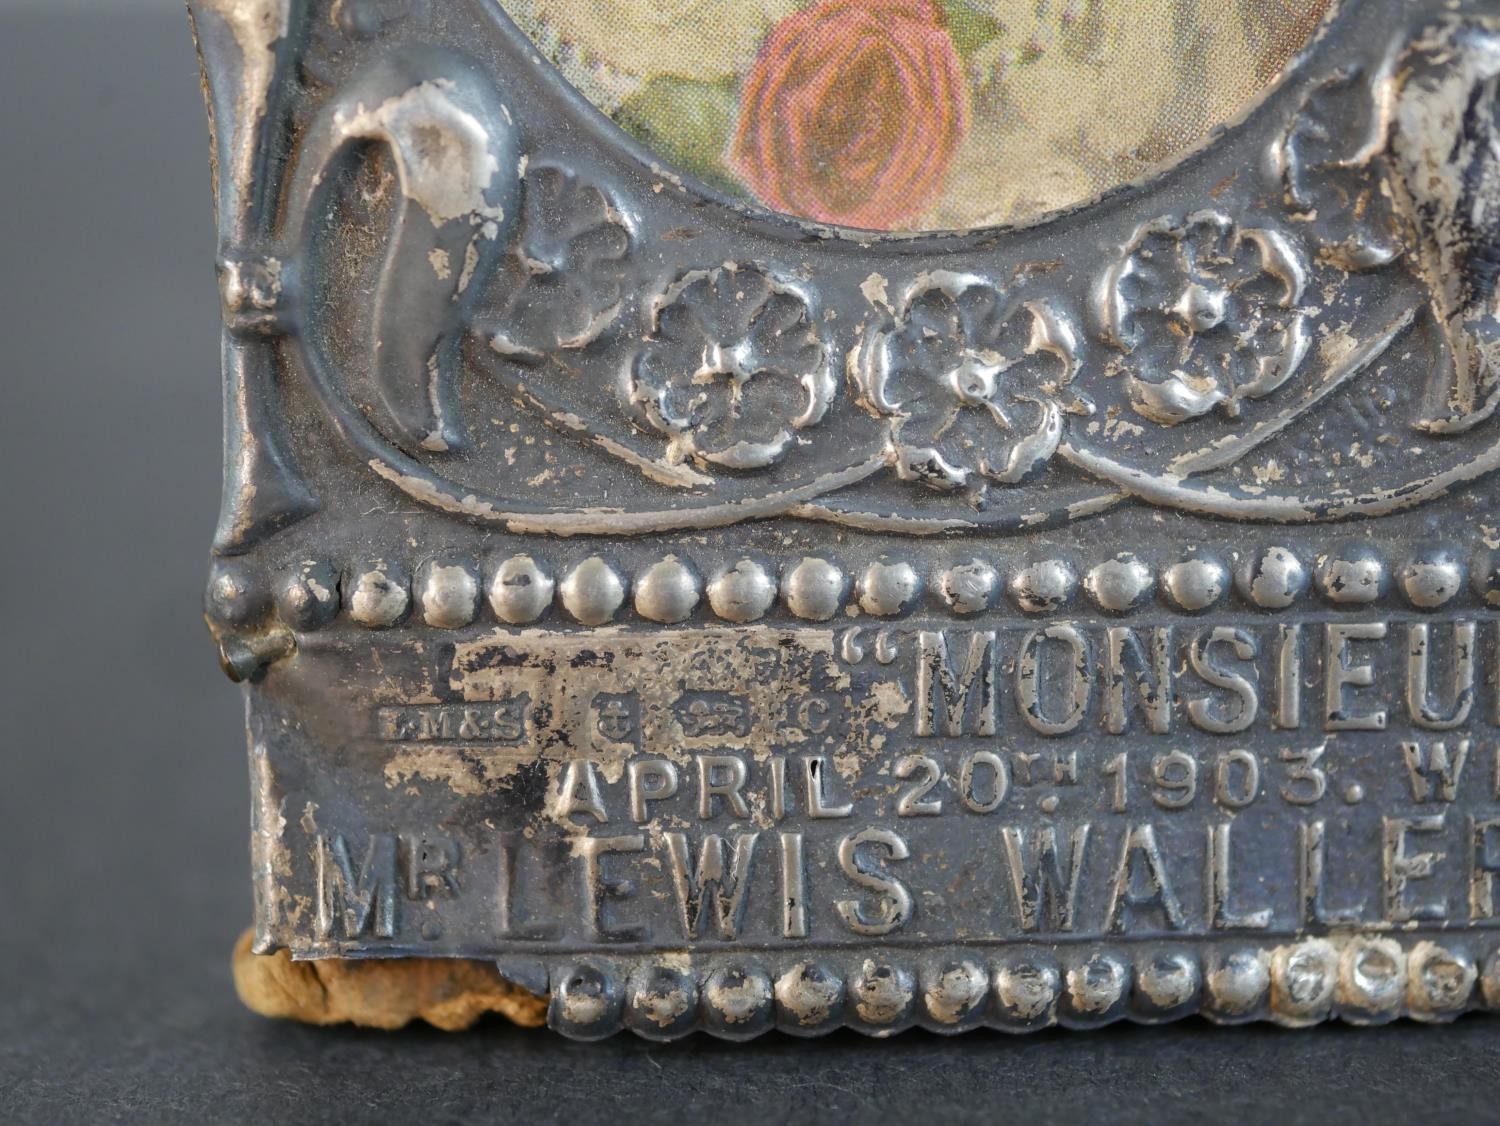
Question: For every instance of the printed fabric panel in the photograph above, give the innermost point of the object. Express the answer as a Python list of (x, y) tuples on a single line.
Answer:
[(919, 114)]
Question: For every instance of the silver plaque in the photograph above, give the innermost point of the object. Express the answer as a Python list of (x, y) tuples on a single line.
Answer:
[(725, 621)]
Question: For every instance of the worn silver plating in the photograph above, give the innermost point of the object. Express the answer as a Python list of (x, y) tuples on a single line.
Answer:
[(729, 623)]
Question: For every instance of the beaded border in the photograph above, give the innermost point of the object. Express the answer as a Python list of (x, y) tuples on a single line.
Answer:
[(526, 588), (1358, 978)]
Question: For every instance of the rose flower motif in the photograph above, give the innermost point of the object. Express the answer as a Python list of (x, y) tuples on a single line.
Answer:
[(852, 112), (1208, 314), (732, 368), (975, 384), (562, 281)]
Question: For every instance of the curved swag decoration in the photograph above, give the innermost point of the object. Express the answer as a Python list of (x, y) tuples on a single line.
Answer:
[(442, 122)]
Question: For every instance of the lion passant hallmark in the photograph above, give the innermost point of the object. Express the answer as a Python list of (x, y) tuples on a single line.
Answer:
[(723, 621)]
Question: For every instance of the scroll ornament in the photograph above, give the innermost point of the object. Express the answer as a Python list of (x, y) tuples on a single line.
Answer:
[(1445, 148), (1334, 173)]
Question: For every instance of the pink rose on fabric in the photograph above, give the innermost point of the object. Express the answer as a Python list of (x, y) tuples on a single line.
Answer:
[(852, 112)]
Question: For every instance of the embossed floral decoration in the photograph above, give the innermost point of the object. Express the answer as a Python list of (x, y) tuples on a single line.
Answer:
[(1207, 313), (975, 384), (561, 284), (731, 370)]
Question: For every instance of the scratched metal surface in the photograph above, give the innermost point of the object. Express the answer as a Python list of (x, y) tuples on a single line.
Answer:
[(122, 819)]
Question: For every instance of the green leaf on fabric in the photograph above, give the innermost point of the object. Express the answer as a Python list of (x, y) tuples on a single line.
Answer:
[(969, 27), (688, 121)]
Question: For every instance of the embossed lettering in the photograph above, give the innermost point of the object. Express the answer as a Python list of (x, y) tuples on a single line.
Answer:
[(1288, 714), (1312, 863), (1483, 864), (950, 702), (350, 904), (1223, 717), (893, 906), (504, 721), (1141, 863), (431, 862), (1024, 760), (722, 776), (600, 887), (914, 801), (1046, 886), (1433, 770), (815, 772), (981, 797), (1341, 675), (1236, 779), (653, 779), (1117, 770), (1306, 781), (509, 848), (793, 887), (1401, 867), (1220, 915), (777, 799), (578, 792), (1033, 677), (1174, 778), (1126, 658), (812, 714), (1418, 665), (714, 890)]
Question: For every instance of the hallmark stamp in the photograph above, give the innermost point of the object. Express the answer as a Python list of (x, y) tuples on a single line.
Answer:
[(723, 621)]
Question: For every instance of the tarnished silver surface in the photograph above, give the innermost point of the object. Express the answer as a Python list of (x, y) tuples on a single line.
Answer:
[(729, 623)]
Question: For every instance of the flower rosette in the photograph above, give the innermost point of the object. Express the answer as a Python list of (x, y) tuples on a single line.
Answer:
[(1207, 313), (564, 277), (974, 383), (852, 113), (731, 370)]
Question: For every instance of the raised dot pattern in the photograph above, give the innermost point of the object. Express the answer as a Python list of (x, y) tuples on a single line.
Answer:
[(1361, 979), (524, 588)]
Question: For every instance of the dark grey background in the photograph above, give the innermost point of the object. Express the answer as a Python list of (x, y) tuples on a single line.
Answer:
[(123, 865)]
